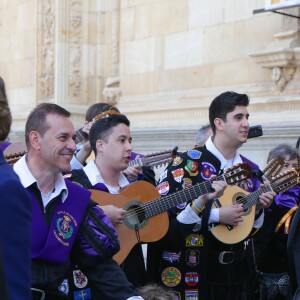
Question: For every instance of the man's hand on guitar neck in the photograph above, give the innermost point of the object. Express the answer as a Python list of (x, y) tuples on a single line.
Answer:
[(265, 199), (132, 173)]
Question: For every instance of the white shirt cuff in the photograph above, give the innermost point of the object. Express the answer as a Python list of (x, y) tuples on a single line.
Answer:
[(75, 164), (259, 222)]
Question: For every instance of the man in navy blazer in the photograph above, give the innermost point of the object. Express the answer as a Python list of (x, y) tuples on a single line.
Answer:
[(15, 223)]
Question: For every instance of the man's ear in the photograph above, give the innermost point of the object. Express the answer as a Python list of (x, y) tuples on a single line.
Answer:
[(219, 123), (35, 140), (100, 145)]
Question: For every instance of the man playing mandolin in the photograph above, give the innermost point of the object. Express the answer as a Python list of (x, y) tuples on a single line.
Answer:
[(194, 262)]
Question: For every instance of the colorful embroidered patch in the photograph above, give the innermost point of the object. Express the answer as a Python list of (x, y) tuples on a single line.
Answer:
[(171, 277), (192, 258), (163, 188), (192, 167), (171, 256), (207, 170), (187, 183), (194, 154), (181, 206), (191, 278), (191, 295), (80, 280), (177, 161), (194, 240), (163, 175), (197, 227), (246, 185), (178, 174), (83, 295), (64, 287), (65, 227)]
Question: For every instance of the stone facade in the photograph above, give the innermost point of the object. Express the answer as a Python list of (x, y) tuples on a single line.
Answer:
[(160, 61)]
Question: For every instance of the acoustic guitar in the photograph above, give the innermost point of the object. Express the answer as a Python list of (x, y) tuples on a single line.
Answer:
[(146, 217), (14, 152), (234, 194)]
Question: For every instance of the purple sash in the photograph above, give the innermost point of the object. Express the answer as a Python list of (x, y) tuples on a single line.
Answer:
[(4, 145), (101, 187), (55, 243), (134, 155)]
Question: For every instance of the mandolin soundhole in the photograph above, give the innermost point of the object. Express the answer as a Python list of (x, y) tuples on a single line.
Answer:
[(240, 198), (135, 216)]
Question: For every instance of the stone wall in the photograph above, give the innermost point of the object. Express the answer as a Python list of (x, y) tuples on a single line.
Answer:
[(160, 61)]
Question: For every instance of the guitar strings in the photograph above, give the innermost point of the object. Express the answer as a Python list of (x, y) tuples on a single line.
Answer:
[(249, 199), (140, 211)]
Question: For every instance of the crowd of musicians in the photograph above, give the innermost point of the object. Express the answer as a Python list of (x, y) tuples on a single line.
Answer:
[(79, 207)]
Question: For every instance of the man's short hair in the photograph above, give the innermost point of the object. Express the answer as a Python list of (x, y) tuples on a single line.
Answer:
[(37, 119), (102, 129), (224, 104), (97, 109)]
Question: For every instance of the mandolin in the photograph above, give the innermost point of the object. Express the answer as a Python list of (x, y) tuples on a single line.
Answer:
[(146, 217), (233, 194)]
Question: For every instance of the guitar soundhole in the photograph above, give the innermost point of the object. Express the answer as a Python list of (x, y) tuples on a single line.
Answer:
[(240, 198), (135, 215)]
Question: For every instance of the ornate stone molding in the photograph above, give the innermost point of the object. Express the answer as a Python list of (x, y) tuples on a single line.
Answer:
[(282, 56), (47, 59), (75, 49), (112, 91)]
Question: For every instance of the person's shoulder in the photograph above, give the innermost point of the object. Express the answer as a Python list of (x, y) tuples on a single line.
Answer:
[(252, 164)]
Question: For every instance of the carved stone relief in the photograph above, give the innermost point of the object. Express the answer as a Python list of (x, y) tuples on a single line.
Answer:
[(282, 55), (75, 49), (112, 91), (47, 50)]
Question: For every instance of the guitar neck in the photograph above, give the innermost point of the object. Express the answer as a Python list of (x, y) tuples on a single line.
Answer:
[(160, 205), (80, 136), (152, 159), (253, 198)]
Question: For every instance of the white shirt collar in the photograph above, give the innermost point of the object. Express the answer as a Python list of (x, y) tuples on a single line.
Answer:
[(225, 164), (27, 179), (95, 177)]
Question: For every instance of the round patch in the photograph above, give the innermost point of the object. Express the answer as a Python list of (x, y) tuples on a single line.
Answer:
[(65, 224), (163, 188), (171, 276), (194, 154), (207, 170)]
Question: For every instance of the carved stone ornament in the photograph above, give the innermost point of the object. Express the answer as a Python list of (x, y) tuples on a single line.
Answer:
[(112, 91), (282, 57)]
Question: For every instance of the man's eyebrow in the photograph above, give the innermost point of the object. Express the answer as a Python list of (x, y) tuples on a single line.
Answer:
[(62, 134)]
